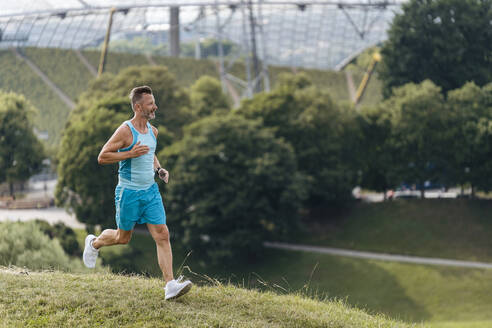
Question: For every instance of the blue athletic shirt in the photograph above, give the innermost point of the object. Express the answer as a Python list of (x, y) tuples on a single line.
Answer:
[(138, 173)]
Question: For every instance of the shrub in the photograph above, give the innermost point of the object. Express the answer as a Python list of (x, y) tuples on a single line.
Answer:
[(65, 235), (233, 185), (23, 244)]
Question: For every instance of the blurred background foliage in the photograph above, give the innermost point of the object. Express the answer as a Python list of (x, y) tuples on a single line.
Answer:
[(247, 174)]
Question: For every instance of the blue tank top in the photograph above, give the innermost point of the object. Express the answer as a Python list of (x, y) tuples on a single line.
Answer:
[(138, 173)]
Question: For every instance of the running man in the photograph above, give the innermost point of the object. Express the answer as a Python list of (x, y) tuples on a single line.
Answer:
[(137, 197)]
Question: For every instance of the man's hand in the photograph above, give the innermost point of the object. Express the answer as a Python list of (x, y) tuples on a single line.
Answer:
[(138, 150), (163, 175)]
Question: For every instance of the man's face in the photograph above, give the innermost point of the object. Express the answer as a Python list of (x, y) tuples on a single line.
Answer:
[(147, 106)]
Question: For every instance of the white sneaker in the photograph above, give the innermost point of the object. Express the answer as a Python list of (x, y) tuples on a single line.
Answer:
[(90, 253), (176, 288)]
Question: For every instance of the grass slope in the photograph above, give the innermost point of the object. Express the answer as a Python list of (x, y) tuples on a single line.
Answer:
[(62, 67), (16, 76), (57, 299), (115, 61), (413, 293), (447, 228), (188, 70), (66, 70)]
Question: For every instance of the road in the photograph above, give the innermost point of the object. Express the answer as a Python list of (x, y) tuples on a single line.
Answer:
[(51, 215), (380, 256)]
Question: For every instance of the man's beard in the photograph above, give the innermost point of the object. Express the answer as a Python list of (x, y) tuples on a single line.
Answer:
[(150, 115)]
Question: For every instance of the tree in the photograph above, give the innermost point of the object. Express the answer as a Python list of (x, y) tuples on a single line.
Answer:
[(233, 185), (21, 153), (139, 44), (446, 41), (376, 156), (471, 107), (23, 244), (422, 134), (321, 132), (208, 48), (207, 97), (173, 101), (86, 187), (83, 185), (65, 235)]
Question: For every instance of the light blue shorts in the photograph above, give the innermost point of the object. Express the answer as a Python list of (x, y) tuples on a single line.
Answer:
[(138, 206)]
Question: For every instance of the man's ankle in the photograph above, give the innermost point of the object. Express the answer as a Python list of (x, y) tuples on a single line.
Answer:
[(92, 245)]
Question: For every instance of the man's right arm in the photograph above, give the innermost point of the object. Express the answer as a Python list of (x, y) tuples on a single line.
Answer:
[(109, 153)]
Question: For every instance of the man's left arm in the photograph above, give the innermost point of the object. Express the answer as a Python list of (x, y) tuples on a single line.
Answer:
[(163, 173)]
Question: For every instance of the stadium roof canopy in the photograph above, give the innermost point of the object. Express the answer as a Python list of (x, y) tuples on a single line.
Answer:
[(305, 33)]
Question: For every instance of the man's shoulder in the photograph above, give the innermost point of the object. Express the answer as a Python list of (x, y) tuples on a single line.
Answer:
[(123, 129), (154, 129), (124, 126)]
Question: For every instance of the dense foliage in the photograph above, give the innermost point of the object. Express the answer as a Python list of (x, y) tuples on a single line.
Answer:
[(319, 129), (446, 41), (87, 187), (418, 135), (23, 244), (234, 184), (21, 153), (83, 185), (471, 147), (138, 45), (207, 97), (241, 177), (172, 100), (74, 78), (65, 235)]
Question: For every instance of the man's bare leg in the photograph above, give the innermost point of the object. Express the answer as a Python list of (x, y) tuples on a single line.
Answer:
[(160, 233), (112, 237)]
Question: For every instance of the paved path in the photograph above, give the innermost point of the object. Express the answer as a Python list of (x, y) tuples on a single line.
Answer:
[(379, 256), (350, 85), (51, 215)]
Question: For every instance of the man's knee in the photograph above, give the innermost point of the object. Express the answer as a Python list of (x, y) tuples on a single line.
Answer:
[(123, 238), (161, 233)]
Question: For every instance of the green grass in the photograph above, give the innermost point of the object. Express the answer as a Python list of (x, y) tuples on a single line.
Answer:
[(188, 70), (66, 70), (471, 324), (412, 293), (447, 228), (115, 61), (54, 299), (16, 76), (62, 67)]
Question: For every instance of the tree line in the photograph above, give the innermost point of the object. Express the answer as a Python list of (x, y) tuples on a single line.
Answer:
[(242, 176)]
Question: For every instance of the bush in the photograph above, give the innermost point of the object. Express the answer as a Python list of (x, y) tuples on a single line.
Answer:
[(233, 185), (320, 131), (23, 244), (65, 235)]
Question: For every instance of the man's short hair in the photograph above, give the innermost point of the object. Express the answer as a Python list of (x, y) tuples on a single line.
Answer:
[(137, 93)]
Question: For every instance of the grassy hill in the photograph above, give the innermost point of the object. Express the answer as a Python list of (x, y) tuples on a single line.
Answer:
[(63, 67), (54, 299), (17, 76), (439, 296), (409, 292), (447, 228), (66, 70)]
